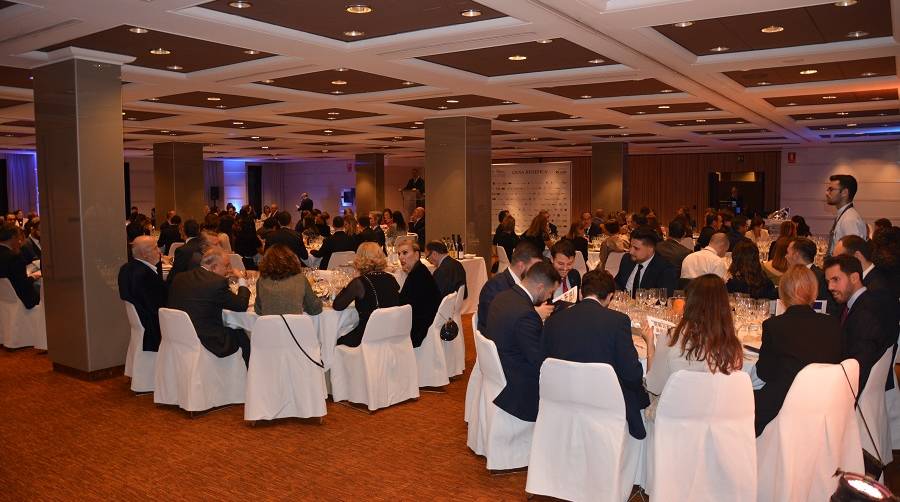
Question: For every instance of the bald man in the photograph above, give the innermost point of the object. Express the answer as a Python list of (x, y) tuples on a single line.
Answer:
[(708, 260), (141, 284)]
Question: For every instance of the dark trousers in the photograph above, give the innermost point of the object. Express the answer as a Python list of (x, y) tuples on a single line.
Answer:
[(244, 343)]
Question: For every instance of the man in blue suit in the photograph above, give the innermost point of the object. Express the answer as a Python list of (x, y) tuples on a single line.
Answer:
[(524, 256)]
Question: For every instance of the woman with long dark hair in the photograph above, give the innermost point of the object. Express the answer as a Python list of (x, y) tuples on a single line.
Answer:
[(801, 226), (747, 275), (538, 232), (777, 263), (576, 235)]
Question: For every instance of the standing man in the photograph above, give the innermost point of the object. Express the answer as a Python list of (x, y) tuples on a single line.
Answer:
[(415, 182), (736, 201), (306, 204), (840, 193)]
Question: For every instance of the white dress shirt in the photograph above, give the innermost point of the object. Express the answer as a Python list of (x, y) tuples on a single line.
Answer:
[(705, 261), (867, 270), (629, 284), (848, 222), (854, 296), (150, 265)]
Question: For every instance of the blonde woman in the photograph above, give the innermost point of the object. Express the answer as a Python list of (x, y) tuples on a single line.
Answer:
[(372, 289)]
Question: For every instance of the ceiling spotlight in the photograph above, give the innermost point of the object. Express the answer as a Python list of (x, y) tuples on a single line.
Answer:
[(159, 51), (710, 108), (772, 29), (470, 13), (334, 113), (532, 139), (719, 48), (514, 120), (254, 137), (764, 83), (174, 67), (337, 92), (852, 125), (684, 24), (506, 103), (339, 82), (545, 41), (517, 57), (328, 131), (240, 4), (331, 118), (213, 98), (325, 151), (843, 113), (664, 107), (407, 82), (453, 101), (138, 30), (640, 113), (267, 81), (666, 91), (237, 123), (164, 131), (868, 74), (354, 33), (700, 120), (792, 104), (130, 118), (358, 9), (264, 147), (152, 99), (857, 34), (442, 107), (829, 97), (740, 122), (251, 52), (809, 72), (221, 107), (586, 96), (595, 61), (876, 98), (845, 3)]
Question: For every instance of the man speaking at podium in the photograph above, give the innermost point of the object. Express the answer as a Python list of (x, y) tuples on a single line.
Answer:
[(416, 182)]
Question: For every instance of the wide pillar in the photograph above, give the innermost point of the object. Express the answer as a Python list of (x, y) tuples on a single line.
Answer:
[(369, 182), (78, 121), (458, 177), (608, 164), (178, 179)]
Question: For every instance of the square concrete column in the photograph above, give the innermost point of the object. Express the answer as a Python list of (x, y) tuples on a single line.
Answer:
[(609, 162), (178, 179), (369, 182), (458, 177), (78, 121)]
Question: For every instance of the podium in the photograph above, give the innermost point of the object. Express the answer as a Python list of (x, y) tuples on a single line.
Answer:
[(411, 199)]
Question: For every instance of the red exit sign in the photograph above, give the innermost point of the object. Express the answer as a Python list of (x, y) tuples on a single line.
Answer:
[(792, 157)]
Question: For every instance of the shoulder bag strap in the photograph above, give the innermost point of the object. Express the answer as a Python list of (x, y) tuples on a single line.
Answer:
[(856, 406), (375, 291), (288, 326)]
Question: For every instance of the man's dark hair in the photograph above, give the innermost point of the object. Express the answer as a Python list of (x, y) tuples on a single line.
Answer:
[(883, 223), (543, 273), (805, 247), (338, 222), (739, 222), (849, 264), (855, 243), (727, 216), (525, 252), (564, 246), (710, 219), (676, 228), (639, 219), (502, 215), (192, 228), (612, 226), (597, 283), (283, 218), (8, 230), (644, 211), (646, 235), (845, 181), (176, 220), (436, 247), (364, 221)]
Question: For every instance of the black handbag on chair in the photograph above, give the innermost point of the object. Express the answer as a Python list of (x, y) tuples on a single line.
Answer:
[(449, 330)]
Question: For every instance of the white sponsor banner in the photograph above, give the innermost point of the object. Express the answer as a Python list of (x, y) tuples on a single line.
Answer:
[(526, 189)]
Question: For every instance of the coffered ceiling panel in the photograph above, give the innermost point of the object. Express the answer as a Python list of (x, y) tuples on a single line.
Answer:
[(625, 135), (141, 115), (328, 132), (6, 103), (533, 116), (19, 123), (454, 102), (254, 138), (15, 77), (340, 81), (611, 89), (665, 108), (239, 124), (842, 70), (696, 122), (398, 138), (332, 114), (211, 100), (731, 131), (162, 132), (533, 139), (417, 124), (585, 127), (855, 125), (834, 98), (847, 114)]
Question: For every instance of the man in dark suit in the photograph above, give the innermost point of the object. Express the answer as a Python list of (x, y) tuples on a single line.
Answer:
[(873, 277), (188, 256), (591, 229), (31, 248), (867, 331), (12, 265), (306, 204), (562, 257), (141, 284), (415, 182), (203, 293), (671, 249), (369, 234), (641, 268), (449, 274), (802, 251), (589, 332), (338, 241), (417, 224), (739, 227), (419, 289), (501, 216), (515, 328), (713, 224), (524, 256), (170, 232), (286, 236)]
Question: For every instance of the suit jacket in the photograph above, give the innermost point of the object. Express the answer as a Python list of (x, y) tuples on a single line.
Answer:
[(30, 251), (371, 235), (659, 273), (875, 281), (735, 237), (449, 276), (594, 230), (867, 333), (306, 205), (673, 252), (494, 286), (831, 306), (145, 289), (706, 234), (417, 183), (515, 328), (418, 228), (12, 267), (339, 241), (790, 341), (203, 295), (187, 257), (289, 238), (167, 235), (588, 332), (421, 292)]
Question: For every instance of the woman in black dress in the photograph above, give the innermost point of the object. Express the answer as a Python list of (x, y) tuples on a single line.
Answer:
[(747, 275), (373, 289)]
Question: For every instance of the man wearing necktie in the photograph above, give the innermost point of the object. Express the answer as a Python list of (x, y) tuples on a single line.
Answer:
[(840, 193), (562, 255), (641, 268)]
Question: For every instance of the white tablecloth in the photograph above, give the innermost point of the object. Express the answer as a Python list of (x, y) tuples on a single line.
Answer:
[(593, 259)]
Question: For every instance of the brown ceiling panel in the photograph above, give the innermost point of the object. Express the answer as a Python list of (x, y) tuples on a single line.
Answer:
[(4, 4), (755, 139), (643, 87), (666, 108), (585, 127), (211, 100), (840, 70), (327, 143), (834, 98), (255, 138), (191, 54), (625, 135), (800, 26), (685, 146), (162, 132), (533, 116), (867, 134), (533, 139), (19, 123), (331, 19), (340, 81), (10, 134), (15, 77), (405, 125), (658, 141), (855, 125), (731, 131), (398, 138), (846, 114), (327, 132), (239, 124), (560, 54), (332, 114), (6, 103), (141, 115), (501, 132), (696, 122), (454, 102), (264, 147)]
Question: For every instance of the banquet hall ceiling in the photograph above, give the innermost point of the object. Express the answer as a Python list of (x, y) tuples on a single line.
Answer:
[(267, 79)]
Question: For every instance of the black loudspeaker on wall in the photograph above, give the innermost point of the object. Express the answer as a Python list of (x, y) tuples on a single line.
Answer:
[(214, 193)]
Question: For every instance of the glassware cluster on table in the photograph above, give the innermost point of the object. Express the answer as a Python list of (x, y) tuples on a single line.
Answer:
[(327, 284), (313, 243)]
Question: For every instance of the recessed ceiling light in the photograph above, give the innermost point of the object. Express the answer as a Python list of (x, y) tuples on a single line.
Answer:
[(507, 102), (684, 24), (470, 13), (710, 108), (764, 83), (545, 41), (334, 113), (640, 113), (532, 139), (719, 48), (876, 98), (868, 74), (666, 91), (339, 82), (700, 120), (852, 125), (337, 92), (407, 82), (586, 96), (413, 127), (331, 118), (221, 107), (809, 72), (664, 107), (238, 123), (254, 137), (213, 98), (265, 147), (442, 107), (517, 57), (164, 131), (514, 120), (452, 101), (174, 67), (138, 30), (595, 61), (251, 52), (882, 114), (624, 134), (857, 34), (845, 3), (829, 97), (843, 113), (324, 151), (740, 122), (240, 4), (354, 33), (772, 29), (130, 118), (159, 51), (359, 9), (792, 104), (418, 122), (328, 131)]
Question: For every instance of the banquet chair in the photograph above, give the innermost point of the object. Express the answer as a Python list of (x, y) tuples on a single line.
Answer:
[(892, 403), (814, 434), (19, 326), (872, 406), (502, 438), (687, 242), (613, 260), (581, 449), (382, 370), (473, 387), (702, 444), (140, 365), (431, 361), (281, 380), (502, 259), (237, 263), (190, 376), (474, 433), (455, 350), (341, 259), (580, 264), (173, 246)]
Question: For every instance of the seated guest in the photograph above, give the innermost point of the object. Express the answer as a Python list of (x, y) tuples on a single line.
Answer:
[(787, 229), (515, 328), (792, 340), (562, 256), (287, 236), (589, 332), (246, 242), (500, 217), (12, 265), (31, 249), (704, 339), (140, 225), (873, 278), (449, 274), (203, 293), (369, 234), (641, 268), (322, 223), (617, 242), (886, 256), (505, 236), (141, 284), (757, 230), (372, 289), (867, 331), (398, 226), (538, 233), (577, 237), (419, 289), (746, 273), (713, 224), (417, 224), (282, 288), (708, 260), (589, 227), (170, 233), (739, 227), (523, 257), (188, 256), (269, 225), (777, 263), (802, 251), (671, 249), (801, 229), (338, 241)]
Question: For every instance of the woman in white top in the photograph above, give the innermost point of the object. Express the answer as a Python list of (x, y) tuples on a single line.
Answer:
[(757, 230)]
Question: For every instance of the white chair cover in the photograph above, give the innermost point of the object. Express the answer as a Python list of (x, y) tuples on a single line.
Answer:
[(430, 358), (341, 259), (173, 246), (814, 434), (140, 365), (19, 326), (189, 375), (504, 439), (703, 444), (687, 242), (872, 407), (502, 259), (892, 403), (613, 260), (455, 350), (225, 242), (473, 387), (580, 264), (581, 448), (237, 263), (281, 381), (382, 370)]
